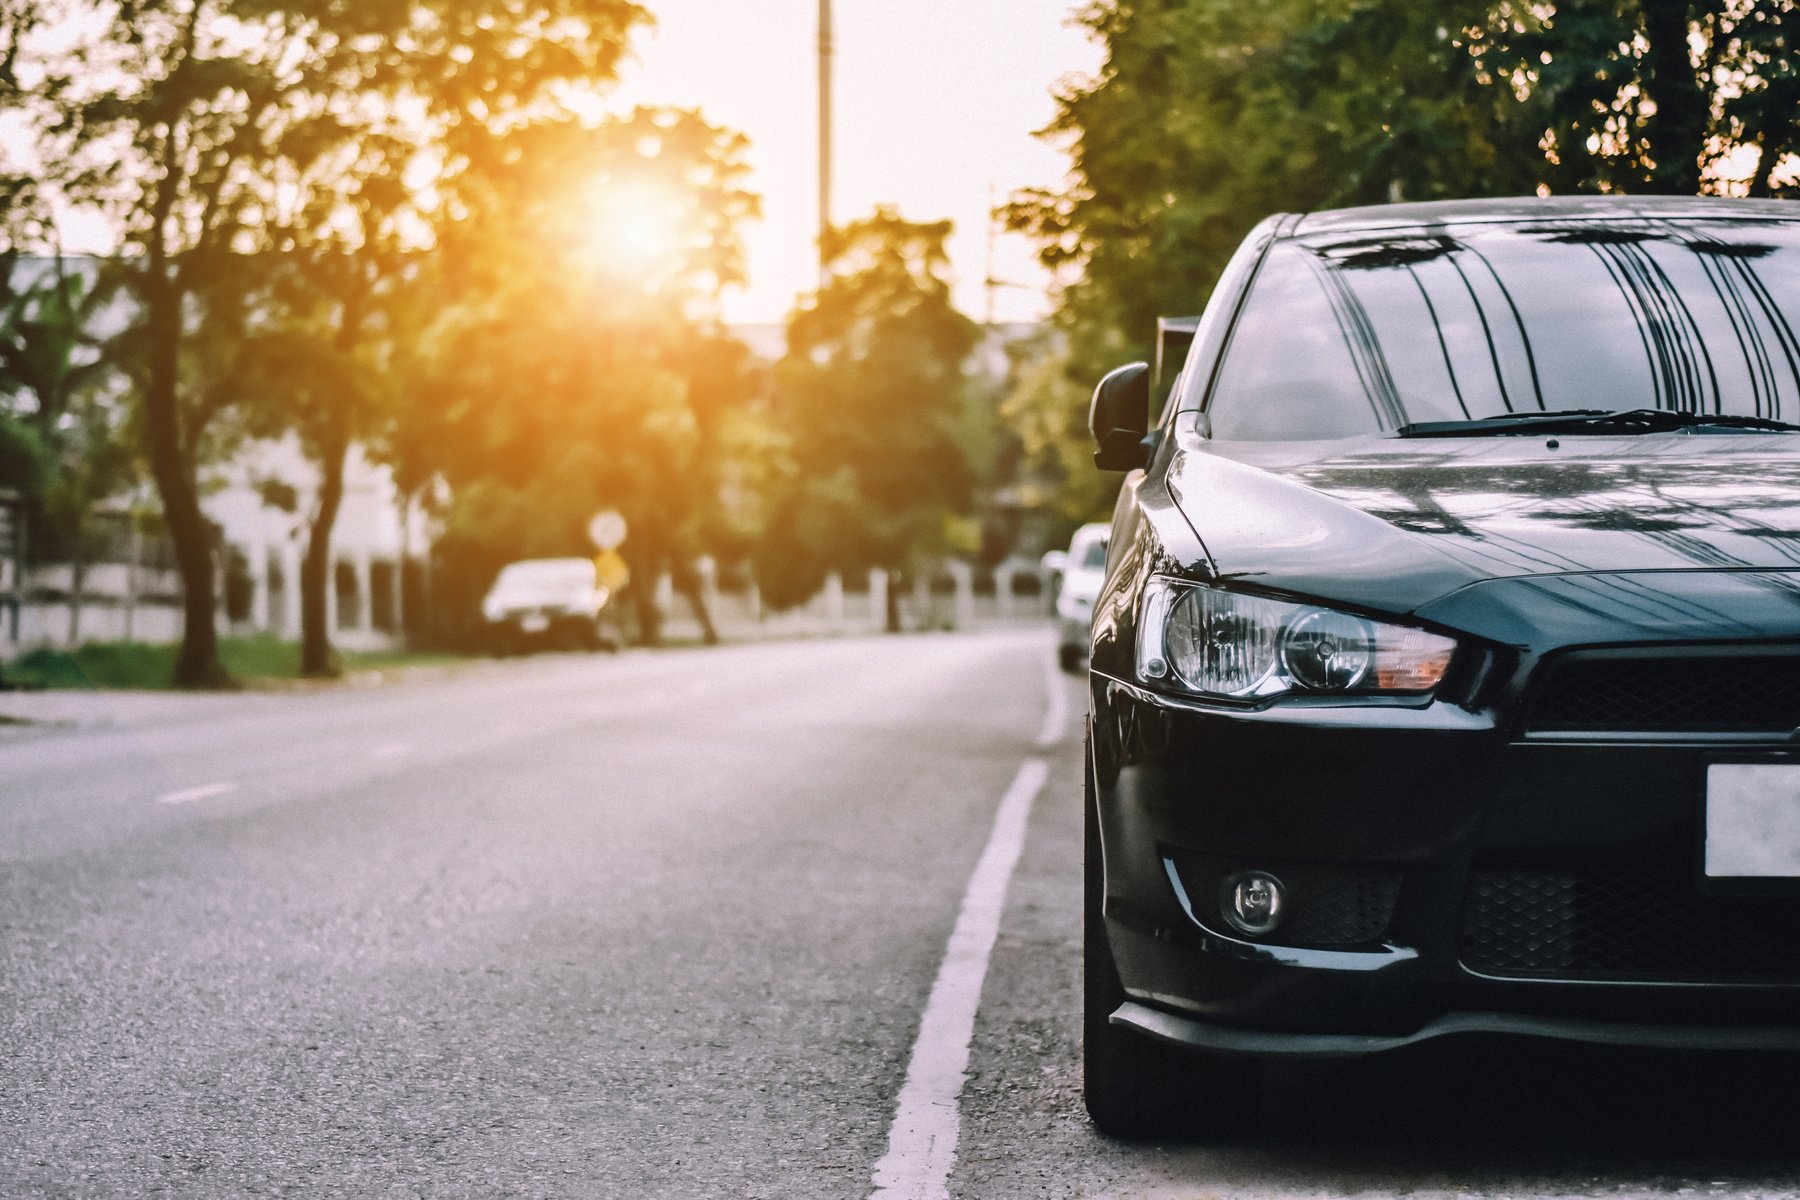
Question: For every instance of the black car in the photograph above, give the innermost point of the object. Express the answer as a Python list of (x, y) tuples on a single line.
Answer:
[(1446, 676)]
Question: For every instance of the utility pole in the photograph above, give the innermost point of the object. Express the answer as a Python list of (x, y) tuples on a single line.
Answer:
[(825, 51), (990, 285)]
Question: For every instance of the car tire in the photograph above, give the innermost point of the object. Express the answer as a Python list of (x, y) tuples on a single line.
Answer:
[(1068, 657), (1136, 1088)]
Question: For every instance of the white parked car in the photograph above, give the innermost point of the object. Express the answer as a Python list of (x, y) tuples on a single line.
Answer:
[(1083, 570), (551, 602)]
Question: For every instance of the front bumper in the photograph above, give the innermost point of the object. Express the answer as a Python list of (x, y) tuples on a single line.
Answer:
[(1223, 1039), (1390, 823)]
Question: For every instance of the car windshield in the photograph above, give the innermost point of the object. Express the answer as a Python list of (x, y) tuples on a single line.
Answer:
[(1094, 557), (543, 575), (1348, 336)]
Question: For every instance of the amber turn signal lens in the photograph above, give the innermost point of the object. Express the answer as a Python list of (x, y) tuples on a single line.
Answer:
[(1413, 661)]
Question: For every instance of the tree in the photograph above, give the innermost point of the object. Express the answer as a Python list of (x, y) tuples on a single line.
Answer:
[(1047, 410), (214, 131), (872, 402), (586, 369), (1208, 115), (1653, 95), (53, 363)]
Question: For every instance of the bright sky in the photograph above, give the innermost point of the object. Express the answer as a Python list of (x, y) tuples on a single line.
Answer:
[(935, 102), (935, 105)]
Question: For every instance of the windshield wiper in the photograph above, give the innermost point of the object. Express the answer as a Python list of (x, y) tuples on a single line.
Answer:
[(1596, 421)]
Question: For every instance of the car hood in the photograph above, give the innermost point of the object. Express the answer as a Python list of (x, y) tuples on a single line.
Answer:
[(1395, 523), (522, 598)]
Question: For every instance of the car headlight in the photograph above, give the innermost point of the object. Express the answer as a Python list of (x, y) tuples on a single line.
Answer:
[(1228, 645)]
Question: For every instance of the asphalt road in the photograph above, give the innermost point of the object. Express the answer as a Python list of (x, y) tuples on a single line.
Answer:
[(669, 925)]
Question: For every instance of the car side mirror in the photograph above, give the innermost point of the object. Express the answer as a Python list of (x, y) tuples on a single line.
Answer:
[(1120, 417)]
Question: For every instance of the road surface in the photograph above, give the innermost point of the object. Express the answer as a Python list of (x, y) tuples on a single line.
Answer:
[(672, 925)]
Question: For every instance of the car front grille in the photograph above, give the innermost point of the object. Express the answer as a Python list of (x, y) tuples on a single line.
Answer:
[(1649, 926), (1704, 693)]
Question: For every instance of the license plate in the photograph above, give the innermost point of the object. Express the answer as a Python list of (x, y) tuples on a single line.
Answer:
[(1752, 821), (536, 623)]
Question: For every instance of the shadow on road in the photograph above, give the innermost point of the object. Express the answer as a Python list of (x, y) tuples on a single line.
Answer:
[(1482, 1110)]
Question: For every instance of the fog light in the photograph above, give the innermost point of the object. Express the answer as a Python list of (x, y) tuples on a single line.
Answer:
[(1253, 902)]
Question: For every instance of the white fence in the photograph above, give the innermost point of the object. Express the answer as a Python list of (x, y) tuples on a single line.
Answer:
[(118, 603), (959, 598)]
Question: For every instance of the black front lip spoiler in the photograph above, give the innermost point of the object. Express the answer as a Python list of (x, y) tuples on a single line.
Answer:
[(1227, 1039)]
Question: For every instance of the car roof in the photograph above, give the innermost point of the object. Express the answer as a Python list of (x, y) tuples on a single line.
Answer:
[(1426, 214), (1094, 531), (533, 566)]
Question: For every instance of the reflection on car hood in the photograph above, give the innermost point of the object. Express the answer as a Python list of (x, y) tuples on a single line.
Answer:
[(1396, 523)]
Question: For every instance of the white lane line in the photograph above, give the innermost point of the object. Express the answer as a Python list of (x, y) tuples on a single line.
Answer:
[(391, 750), (1057, 715), (205, 791), (922, 1139)]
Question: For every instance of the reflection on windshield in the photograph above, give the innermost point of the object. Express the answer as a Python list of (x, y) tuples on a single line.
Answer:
[(546, 574), (1342, 338)]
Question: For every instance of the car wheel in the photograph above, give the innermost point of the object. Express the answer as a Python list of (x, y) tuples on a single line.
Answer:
[(1068, 657), (1135, 1087)]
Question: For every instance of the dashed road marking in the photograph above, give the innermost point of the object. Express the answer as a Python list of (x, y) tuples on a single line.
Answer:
[(205, 791), (391, 750)]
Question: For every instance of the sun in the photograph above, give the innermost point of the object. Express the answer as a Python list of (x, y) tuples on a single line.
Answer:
[(636, 229)]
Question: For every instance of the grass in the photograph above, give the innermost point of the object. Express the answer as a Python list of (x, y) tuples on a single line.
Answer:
[(142, 665)]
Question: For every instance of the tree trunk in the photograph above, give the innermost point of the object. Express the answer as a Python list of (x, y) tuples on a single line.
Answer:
[(171, 465), (316, 658), (643, 599), (1677, 131), (131, 578), (77, 584), (893, 602), (1774, 148), (690, 590), (402, 600)]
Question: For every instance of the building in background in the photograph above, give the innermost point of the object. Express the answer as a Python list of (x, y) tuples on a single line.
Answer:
[(129, 589)]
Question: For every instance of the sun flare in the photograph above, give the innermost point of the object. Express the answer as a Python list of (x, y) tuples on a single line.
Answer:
[(636, 229)]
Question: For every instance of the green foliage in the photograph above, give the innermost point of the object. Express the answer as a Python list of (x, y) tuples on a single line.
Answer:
[(1047, 410), (1652, 95), (872, 401), (24, 463), (579, 367), (139, 665), (331, 138), (63, 423)]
